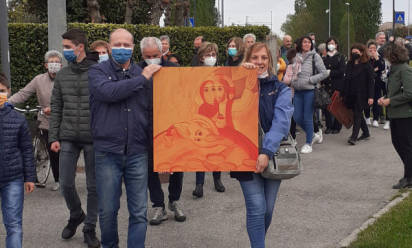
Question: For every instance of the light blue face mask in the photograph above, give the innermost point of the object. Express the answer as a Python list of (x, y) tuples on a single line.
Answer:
[(103, 57), (121, 55), (69, 55), (232, 51)]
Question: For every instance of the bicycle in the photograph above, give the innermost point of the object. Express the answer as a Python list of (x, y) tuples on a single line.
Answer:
[(41, 153)]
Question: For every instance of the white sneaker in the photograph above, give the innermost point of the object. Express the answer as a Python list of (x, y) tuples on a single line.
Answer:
[(387, 125), (375, 123), (317, 137), (306, 148), (55, 187), (368, 121)]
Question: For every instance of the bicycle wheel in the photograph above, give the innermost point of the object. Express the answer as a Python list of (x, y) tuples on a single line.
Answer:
[(42, 160)]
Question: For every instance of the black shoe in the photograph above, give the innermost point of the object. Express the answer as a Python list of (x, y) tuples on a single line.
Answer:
[(328, 131), (90, 238), (352, 141), (335, 131), (364, 137), (71, 227), (198, 192), (219, 185), (403, 183)]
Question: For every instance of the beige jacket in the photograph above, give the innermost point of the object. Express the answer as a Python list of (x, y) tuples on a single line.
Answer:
[(42, 85)]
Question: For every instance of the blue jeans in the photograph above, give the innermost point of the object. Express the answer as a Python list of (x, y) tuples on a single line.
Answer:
[(303, 113), (12, 197), (260, 197), (110, 170)]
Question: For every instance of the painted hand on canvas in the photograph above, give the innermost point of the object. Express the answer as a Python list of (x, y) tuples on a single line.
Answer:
[(205, 119)]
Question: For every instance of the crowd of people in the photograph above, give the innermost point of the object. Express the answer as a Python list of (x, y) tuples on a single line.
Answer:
[(101, 104)]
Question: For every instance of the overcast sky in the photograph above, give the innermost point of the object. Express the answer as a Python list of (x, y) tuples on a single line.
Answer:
[(258, 11)]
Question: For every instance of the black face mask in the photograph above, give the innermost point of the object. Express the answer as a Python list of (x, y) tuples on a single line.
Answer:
[(355, 56), (195, 50)]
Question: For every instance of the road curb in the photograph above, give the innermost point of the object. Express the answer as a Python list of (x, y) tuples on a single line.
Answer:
[(354, 235)]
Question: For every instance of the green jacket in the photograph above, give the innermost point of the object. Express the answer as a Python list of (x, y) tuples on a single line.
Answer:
[(400, 91), (70, 111)]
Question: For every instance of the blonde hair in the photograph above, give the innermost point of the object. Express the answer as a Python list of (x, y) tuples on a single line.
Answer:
[(257, 47)]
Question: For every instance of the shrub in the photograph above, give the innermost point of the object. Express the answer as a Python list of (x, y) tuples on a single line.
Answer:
[(28, 43)]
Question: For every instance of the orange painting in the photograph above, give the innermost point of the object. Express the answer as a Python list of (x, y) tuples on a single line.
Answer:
[(205, 119)]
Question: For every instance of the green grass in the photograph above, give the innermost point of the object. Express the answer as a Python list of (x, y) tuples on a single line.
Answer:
[(392, 230)]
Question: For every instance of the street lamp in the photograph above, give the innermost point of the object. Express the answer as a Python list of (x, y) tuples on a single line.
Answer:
[(330, 11), (348, 4)]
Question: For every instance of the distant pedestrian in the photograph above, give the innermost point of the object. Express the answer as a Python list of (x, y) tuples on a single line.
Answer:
[(235, 51), (207, 55), (358, 92), (166, 53), (399, 106), (17, 169), (286, 46), (196, 43), (335, 62), (42, 86), (249, 40), (103, 48), (308, 71)]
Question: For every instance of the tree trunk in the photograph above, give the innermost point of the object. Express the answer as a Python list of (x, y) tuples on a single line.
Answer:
[(130, 6), (158, 8), (94, 11), (177, 13)]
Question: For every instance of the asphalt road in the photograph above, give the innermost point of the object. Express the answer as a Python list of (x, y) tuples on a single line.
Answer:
[(341, 187)]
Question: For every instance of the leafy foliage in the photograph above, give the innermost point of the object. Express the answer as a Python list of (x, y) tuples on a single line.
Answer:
[(311, 16)]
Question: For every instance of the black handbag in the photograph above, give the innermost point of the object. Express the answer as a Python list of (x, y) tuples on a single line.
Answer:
[(322, 97)]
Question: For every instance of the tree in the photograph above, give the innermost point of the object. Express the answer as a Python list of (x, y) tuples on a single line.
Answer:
[(94, 11), (310, 16)]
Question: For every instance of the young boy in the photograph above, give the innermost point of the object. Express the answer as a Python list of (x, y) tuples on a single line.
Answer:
[(17, 170)]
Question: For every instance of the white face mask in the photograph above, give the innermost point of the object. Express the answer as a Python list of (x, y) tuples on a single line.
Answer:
[(331, 47), (155, 61), (263, 75), (54, 67), (210, 61)]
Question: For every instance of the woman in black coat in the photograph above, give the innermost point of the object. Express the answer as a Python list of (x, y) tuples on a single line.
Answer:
[(378, 65), (359, 90), (335, 62)]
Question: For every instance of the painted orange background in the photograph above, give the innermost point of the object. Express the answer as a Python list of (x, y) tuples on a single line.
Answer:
[(205, 119)]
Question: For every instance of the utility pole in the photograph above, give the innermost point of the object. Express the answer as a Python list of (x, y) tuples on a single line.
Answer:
[(4, 39), (330, 11), (223, 13), (194, 14), (56, 19), (271, 22), (393, 19), (348, 4), (409, 14)]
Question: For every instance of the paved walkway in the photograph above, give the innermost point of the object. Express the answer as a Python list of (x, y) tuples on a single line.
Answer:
[(340, 188)]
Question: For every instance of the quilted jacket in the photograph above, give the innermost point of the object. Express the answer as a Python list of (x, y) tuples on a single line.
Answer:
[(16, 151)]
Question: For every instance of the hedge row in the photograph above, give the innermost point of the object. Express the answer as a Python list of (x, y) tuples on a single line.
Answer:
[(28, 43)]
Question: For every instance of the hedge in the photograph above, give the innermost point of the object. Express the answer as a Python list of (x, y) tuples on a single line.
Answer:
[(28, 43)]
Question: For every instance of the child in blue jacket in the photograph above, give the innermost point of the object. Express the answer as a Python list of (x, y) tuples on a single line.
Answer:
[(17, 170)]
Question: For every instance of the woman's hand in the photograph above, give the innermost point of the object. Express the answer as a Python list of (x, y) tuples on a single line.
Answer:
[(261, 163), (384, 101), (370, 101), (249, 65)]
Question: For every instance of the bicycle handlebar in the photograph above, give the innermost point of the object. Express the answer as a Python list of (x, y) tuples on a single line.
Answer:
[(28, 110)]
